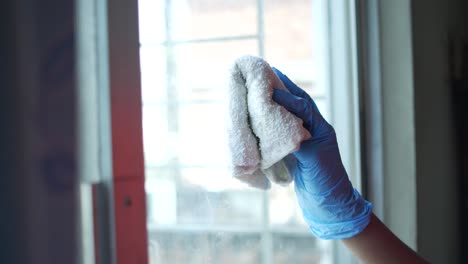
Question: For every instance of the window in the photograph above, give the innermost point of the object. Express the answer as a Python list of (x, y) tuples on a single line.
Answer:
[(197, 213)]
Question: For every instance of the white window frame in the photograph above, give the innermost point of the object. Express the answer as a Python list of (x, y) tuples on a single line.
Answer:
[(95, 175), (386, 87)]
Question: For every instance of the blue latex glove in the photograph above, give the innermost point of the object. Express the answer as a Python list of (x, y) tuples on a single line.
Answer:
[(331, 207)]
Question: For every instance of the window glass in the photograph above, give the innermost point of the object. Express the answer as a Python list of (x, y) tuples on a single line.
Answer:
[(152, 21), (184, 135), (289, 42), (199, 70), (284, 210), (198, 213), (205, 19), (204, 247), (190, 205), (153, 73), (296, 248)]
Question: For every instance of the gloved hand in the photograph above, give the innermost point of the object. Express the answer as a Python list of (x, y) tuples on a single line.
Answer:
[(331, 207)]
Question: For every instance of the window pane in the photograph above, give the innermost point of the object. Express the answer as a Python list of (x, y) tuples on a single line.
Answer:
[(195, 248), (200, 207), (200, 197), (289, 42), (198, 71), (201, 138), (184, 134), (201, 70), (213, 179), (158, 140), (198, 213), (151, 21), (153, 73), (197, 19), (287, 30), (161, 197), (284, 209), (290, 248)]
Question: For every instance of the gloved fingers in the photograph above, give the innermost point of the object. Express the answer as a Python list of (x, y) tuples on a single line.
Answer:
[(292, 87), (292, 162), (294, 104), (308, 112)]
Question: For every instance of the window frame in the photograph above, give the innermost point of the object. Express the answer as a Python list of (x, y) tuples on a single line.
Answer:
[(387, 104)]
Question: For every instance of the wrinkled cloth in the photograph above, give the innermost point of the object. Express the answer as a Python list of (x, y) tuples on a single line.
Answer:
[(261, 133)]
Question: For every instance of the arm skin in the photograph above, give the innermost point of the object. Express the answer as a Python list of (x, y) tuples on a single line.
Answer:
[(377, 244)]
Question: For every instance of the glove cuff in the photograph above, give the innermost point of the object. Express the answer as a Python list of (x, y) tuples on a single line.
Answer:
[(344, 229)]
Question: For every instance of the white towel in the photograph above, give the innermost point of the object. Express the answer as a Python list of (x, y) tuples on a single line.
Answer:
[(260, 132)]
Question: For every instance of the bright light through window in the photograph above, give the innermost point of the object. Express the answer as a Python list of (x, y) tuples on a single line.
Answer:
[(197, 213)]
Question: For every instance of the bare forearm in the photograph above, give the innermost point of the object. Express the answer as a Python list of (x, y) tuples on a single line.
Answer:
[(377, 244)]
